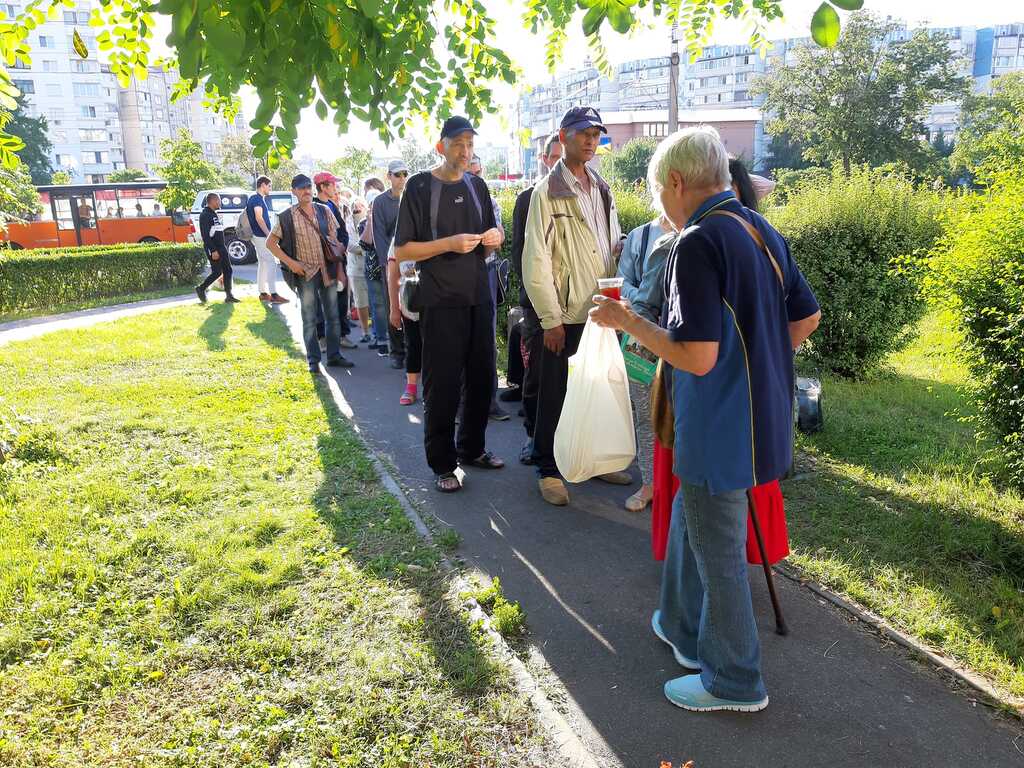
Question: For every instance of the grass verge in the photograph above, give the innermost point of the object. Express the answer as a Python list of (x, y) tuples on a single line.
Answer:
[(900, 515), (198, 567)]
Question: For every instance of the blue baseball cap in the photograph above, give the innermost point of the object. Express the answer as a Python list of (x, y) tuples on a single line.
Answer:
[(302, 181), (453, 126), (581, 118)]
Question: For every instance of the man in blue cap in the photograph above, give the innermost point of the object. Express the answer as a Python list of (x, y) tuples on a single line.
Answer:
[(572, 240), (446, 225)]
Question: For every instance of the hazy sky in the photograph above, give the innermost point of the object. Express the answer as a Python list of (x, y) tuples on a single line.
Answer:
[(321, 139)]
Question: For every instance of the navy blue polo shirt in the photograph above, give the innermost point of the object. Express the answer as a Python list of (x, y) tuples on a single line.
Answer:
[(250, 210), (734, 425)]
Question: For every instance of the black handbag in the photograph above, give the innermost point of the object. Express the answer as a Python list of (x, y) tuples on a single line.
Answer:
[(409, 293)]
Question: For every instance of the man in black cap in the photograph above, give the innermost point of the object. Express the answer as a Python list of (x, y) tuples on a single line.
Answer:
[(298, 241), (572, 240), (446, 225)]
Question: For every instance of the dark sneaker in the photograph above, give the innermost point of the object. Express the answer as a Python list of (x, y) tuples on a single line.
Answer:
[(398, 363), (497, 413), (367, 339), (382, 351), (278, 299), (526, 453), (511, 395), (229, 299), (266, 297), (201, 294), (339, 362)]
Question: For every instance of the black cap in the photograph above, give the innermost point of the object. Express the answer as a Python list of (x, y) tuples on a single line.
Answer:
[(582, 118), (302, 181), (453, 126)]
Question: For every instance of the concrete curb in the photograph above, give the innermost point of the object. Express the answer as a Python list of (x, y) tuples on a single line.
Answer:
[(964, 675), (569, 745)]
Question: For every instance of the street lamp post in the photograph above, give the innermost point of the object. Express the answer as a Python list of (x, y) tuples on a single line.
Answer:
[(673, 82)]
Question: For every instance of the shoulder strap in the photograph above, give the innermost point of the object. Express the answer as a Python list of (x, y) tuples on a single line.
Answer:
[(643, 248), (472, 193), (435, 201), (756, 236)]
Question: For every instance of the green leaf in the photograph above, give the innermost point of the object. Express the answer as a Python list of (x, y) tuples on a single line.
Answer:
[(79, 45), (321, 110), (592, 20), (849, 5), (825, 26)]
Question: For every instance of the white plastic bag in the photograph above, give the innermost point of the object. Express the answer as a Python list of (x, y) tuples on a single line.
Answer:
[(595, 431)]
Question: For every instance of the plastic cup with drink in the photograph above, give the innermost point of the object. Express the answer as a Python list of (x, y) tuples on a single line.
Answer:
[(610, 287)]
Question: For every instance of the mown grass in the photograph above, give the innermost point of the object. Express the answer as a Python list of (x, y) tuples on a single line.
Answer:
[(198, 568), (901, 515)]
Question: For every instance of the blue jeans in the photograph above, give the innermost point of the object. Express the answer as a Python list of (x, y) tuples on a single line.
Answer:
[(705, 594), (378, 310), (309, 292)]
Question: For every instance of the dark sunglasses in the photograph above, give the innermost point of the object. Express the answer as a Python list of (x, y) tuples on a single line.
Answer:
[(401, 174)]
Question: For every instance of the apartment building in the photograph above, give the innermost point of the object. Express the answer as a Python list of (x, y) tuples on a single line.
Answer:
[(79, 98)]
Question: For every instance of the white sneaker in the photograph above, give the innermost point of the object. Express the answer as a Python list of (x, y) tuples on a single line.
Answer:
[(683, 661)]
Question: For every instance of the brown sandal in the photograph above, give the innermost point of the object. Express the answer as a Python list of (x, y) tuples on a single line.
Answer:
[(447, 483)]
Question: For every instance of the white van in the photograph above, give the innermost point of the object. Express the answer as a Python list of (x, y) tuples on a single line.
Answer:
[(232, 203)]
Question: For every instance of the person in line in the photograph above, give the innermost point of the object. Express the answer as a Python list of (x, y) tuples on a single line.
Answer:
[(156, 210), (85, 214), (357, 270), (327, 195), (385, 221), (572, 240), (731, 308), (477, 169), (373, 187), (410, 324), (212, 231), (257, 208), (138, 211), (642, 269), (446, 225), (297, 242), (529, 328)]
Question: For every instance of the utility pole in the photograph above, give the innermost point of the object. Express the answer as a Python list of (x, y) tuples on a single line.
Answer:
[(673, 82)]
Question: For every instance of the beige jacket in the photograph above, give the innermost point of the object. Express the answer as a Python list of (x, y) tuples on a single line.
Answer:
[(561, 260)]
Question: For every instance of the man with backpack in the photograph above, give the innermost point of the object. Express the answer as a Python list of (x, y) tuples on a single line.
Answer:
[(254, 223), (304, 242), (446, 225), (384, 221)]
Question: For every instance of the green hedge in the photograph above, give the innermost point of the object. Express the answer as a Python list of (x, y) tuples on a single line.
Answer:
[(39, 280), (977, 271), (853, 237)]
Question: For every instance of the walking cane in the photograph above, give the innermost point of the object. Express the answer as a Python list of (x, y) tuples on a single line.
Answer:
[(780, 623)]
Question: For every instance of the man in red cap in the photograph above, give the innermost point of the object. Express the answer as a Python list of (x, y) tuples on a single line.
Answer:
[(327, 194)]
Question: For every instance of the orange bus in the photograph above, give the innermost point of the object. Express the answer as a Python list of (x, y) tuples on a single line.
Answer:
[(97, 214)]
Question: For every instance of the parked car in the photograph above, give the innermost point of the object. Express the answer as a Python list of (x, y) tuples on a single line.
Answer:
[(232, 203)]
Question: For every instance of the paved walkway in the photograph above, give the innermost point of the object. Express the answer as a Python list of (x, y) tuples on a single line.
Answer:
[(585, 577)]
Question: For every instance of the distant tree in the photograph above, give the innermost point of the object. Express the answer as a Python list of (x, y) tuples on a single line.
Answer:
[(237, 156), (494, 167), (992, 136), (281, 177), (417, 157), (18, 196), (185, 170), (36, 153), (352, 167), (127, 174), (784, 153), (235, 179), (864, 100), (630, 162), (60, 177)]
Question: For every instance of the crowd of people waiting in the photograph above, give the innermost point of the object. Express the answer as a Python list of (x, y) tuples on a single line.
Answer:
[(709, 288)]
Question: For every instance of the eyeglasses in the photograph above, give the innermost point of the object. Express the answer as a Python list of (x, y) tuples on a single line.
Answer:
[(400, 174)]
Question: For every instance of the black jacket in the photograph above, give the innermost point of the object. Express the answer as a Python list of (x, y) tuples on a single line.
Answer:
[(519, 214), (212, 240)]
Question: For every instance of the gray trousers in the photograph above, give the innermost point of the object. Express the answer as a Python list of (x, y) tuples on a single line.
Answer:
[(640, 395)]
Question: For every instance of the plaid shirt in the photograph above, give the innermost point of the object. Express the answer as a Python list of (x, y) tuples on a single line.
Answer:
[(308, 249)]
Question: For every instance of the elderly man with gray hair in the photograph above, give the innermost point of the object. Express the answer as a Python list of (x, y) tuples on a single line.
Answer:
[(736, 307)]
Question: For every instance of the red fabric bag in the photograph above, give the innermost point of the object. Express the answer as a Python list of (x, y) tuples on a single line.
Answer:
[(767, 497)]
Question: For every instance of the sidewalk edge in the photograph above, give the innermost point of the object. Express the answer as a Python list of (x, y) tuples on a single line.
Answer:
[(971, 679)]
